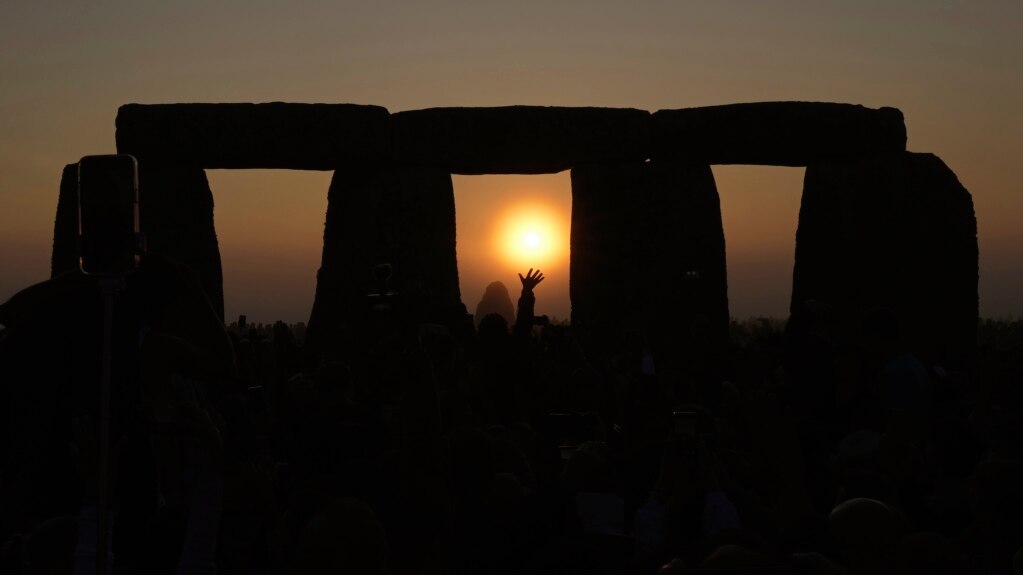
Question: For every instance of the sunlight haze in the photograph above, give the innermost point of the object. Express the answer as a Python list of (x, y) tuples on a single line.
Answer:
[(953, 68)]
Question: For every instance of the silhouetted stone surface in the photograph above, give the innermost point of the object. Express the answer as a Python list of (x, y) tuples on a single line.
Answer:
[(648, 254), (401, 216), (518, 139), (176, 216), (775, 133), (878, 226), (273, 135), (897, 232), (606, 215), (65, 226), (684, 263)]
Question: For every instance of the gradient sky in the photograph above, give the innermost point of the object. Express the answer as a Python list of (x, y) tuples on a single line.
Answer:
[(955, 69)]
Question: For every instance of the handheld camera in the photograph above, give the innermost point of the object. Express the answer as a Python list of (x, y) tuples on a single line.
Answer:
[(109, 241), (684, 423), (382, 299), (569, 431), (692, 432), (109, 247)]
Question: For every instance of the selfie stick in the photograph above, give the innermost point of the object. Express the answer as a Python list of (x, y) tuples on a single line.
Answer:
[(110, 288), (111, 283)]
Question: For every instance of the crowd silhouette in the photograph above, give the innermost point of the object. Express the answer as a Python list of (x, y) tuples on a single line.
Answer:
[(513, 450)]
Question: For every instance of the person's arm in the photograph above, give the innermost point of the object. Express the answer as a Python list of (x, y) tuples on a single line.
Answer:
[(648, 523), (88, 533), (424, 454), (719, 513), (206, 463), (85, 453), (527, 301), (200, 545)]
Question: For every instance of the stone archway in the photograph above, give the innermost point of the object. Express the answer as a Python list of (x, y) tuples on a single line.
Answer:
[(641, 178)]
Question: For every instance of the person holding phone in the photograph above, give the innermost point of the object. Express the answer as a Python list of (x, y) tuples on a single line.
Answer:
[(690, 486)]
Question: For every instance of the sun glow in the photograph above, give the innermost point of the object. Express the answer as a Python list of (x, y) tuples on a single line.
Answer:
[(530, 235)]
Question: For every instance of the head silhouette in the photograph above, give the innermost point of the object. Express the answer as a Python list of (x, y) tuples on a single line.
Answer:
[(345, 537), (493, 332), (866, 531)]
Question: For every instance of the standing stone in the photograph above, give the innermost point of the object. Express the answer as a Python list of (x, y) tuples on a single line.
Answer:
[(605, 245), (65, 227), (685, 261), (176, 216), (648, 256), (397, 215), (895, 231)]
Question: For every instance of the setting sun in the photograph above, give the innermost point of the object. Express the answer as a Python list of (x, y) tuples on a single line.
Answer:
[(531, 240), (530, 235), (508, 224)]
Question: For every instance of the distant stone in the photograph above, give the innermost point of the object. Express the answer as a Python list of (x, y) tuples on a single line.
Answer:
[(896, 232), (776, 133), (65, 227), (518, 139), (495, 300), (272, 135)]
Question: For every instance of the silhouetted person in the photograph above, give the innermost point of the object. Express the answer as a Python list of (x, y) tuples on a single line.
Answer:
[(345, 537), (416, 455), (810, 363), (503, 367), (527, 302), (167, 344), (866, 532), (996, 500)]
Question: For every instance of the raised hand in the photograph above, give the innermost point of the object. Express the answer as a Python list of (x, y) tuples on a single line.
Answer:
[(529, 282)]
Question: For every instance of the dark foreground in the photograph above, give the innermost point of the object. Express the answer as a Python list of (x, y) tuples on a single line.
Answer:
[(518, 450)]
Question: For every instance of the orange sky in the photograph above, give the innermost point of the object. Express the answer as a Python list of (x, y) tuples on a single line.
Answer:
[(952, 67)]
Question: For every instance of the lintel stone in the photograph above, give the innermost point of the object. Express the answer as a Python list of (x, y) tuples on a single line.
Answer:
[(776, 133), (271, 135), (518, 139)]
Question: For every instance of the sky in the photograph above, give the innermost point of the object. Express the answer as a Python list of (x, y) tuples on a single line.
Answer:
[(955, 69)]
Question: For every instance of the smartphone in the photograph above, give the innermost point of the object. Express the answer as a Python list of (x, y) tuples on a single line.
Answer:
[(257, 399), (109, 242), (646, 363), (684, 423), (567, 431)]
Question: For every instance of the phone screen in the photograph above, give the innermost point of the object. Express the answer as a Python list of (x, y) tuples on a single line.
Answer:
[(568, 431), (108, 222), (684, 423)]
